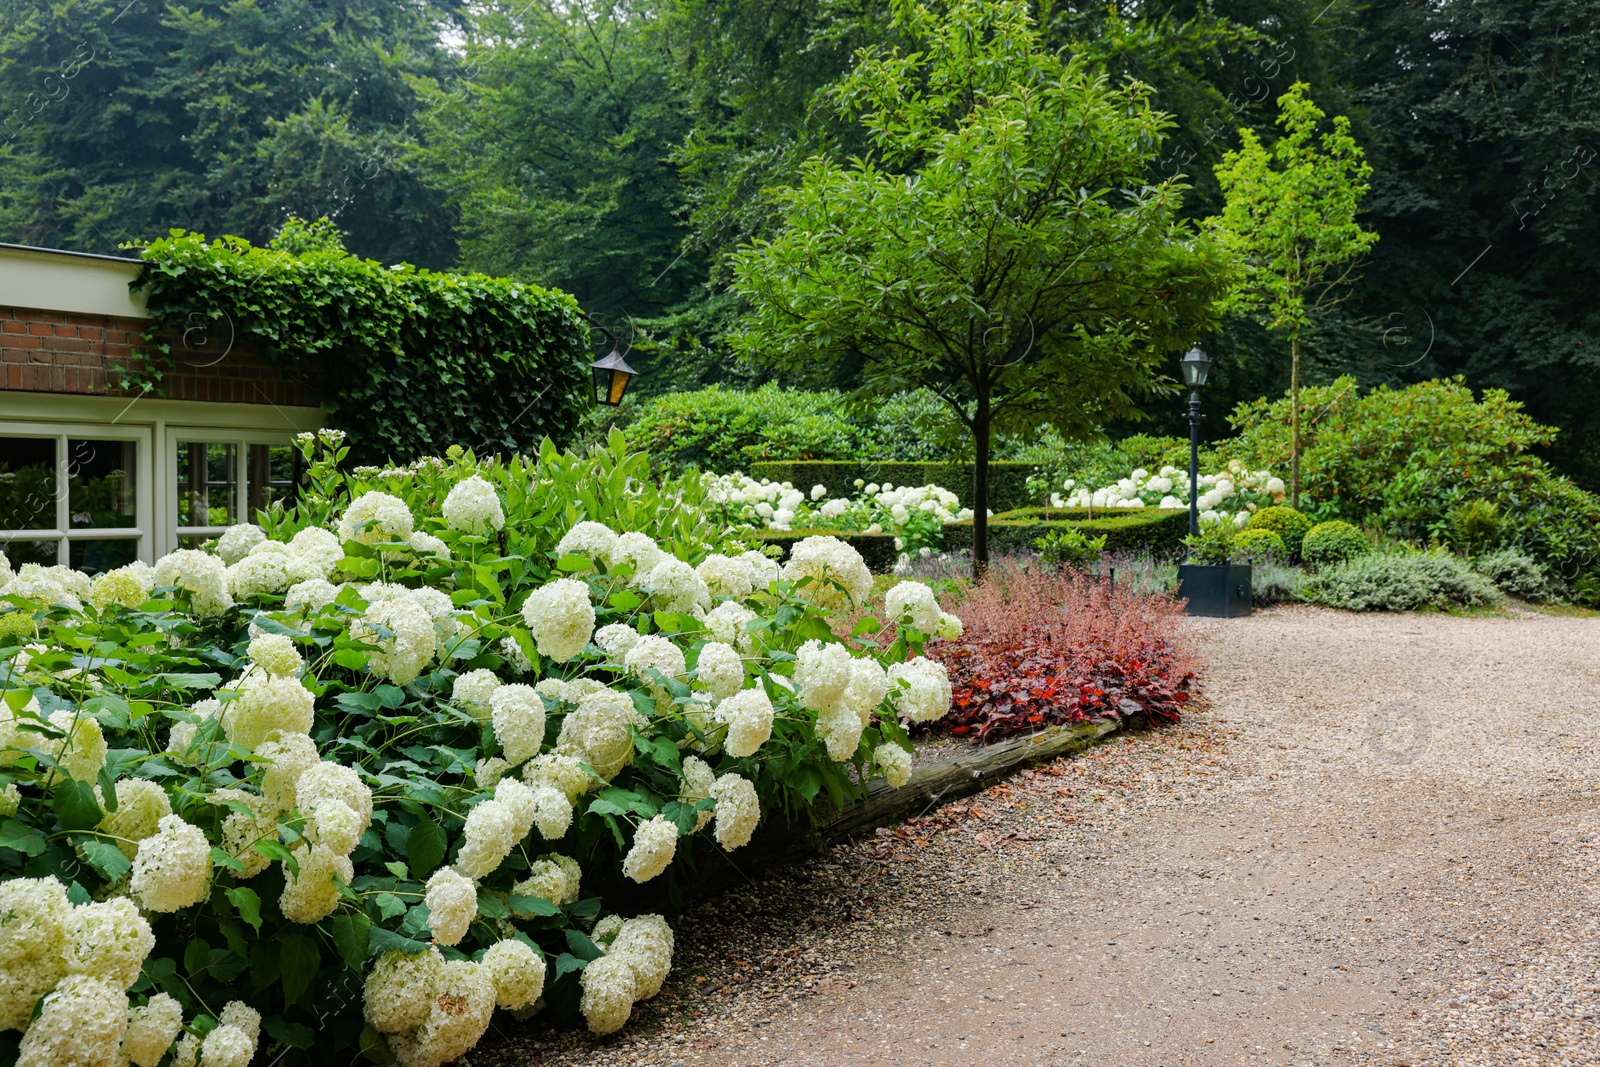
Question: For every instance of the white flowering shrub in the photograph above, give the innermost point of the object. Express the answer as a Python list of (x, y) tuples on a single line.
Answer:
[(1228, 495), (360, 810), (916, 516)]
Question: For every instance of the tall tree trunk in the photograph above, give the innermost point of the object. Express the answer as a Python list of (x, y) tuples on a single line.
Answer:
[(1294, 420), (980, 487)]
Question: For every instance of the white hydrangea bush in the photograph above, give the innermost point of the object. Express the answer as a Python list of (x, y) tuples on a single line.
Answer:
[(915, 515), (1229, 495), (338, 801)]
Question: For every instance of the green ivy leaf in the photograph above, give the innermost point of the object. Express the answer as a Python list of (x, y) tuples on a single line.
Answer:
[(425, 847), (298, 960), (248, 904), (350, 935), (75, 806)]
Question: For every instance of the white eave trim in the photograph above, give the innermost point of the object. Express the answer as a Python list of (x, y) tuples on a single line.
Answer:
[(73, 283)]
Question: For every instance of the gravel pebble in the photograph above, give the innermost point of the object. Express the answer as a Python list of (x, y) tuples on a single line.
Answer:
[(1373, 843)]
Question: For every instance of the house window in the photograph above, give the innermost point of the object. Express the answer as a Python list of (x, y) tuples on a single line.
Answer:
[(72, 498), (223, 482)]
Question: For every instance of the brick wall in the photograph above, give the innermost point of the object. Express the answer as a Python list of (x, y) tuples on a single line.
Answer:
[(54, 352)]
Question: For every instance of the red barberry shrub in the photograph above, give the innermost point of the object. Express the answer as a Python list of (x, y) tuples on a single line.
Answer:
[(1042, 648)]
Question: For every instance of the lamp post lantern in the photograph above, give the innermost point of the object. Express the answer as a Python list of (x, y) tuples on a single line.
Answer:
[(611, 377), (1196, 365)]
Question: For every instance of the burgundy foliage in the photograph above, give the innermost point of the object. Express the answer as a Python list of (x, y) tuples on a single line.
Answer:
[(1044, 648)]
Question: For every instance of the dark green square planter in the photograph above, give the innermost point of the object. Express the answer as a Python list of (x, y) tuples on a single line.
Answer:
[(1221, 592)]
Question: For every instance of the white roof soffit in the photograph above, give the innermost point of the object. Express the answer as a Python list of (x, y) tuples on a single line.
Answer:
[(74, 283)]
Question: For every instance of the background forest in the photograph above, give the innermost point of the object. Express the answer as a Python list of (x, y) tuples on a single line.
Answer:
[(620, 151)]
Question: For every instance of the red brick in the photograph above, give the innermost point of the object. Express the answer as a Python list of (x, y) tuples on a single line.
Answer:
[(40, 329)]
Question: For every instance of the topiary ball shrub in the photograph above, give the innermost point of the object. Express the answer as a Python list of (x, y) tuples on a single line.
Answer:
[(1284, 521), (1517, 573), (1402, 581), (1258, 546), (1329, 543)]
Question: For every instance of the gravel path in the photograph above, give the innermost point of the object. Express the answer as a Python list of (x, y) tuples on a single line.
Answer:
[(1376, 846)]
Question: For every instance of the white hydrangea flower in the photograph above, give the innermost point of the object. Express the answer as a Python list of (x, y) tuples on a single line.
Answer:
[(311, 895), (242, 829), (141, 805), (748, 716), (598, 732), (128, 586), (616, 638), (719, 669), (821, 673), (561, 772), (839, 728), (259, 574), (552, 811), (517, 972), (284, 760), (654, 651), (401, 988), (636, 550), (325, 781), (595, 540), (654, 845), (698, 778), (727, 621), (336, 825), (310, 596), (404, 655), (913, 604), (247, 1020), (226, 1046), (608, 985), (457, 1018), (738, 810), (724, 576), (920, 689), (560, 618), (520, 800), (313, 554), (869, 684), (517, 714), (37, 914), (646, 942), (199, 574), (764, 570), (237, 541), (949, 627), (265, 708), (10, 800), (276, 654), (555, 878), (33, 583), (472, 506), (488, 772), (452, 905), (675, 586), (81, 1022), (82, 752), (488, 838), (425, 544), (894, 761), (152, 1027), (173, 868), (373, 518), (108, 941), (472, 691)]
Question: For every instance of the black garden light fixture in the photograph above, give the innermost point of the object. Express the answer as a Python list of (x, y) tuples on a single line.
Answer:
[(611, 377), (1196, 366)]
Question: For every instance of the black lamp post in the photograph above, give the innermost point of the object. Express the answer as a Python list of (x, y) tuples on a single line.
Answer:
[(1196, 365), (611, 377)]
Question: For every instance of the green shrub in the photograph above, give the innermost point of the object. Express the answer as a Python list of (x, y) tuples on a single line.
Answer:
[(1259, 545), (1284, 521), (1069, 547), (1331, 542), (1517, 573), (407, 361), (1473, 527), (1213, 545), (1273, 582), (1149, 530), (1399, 581), (1008, 482)]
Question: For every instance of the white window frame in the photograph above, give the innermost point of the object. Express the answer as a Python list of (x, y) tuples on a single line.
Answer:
[(64, 533), (180, 435), (157, 426)]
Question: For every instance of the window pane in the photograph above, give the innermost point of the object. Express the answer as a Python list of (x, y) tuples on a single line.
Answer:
[(100, 484), (274, 474), (46, 553), (207, 478), (28, 483), (98, 555)]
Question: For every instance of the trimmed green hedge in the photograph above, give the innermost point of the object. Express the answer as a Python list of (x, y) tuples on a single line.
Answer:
[(877, 550), (1007, 479), (1135, 530)]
